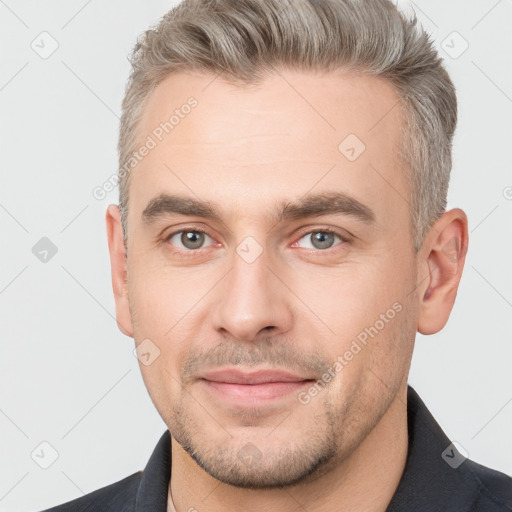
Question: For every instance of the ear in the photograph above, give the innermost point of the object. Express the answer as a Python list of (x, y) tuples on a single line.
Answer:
[(442, 259), (118, 262)]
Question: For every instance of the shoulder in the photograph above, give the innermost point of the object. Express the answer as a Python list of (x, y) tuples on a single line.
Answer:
[(494, 488), (117, 497)]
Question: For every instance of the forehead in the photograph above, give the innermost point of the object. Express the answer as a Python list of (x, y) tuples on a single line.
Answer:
[(246, 147)]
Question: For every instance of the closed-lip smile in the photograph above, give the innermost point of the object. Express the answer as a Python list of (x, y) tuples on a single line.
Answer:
[(252, 388), (237, 376)]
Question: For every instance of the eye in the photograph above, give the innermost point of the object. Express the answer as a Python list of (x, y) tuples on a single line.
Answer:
[(321, 239), (189, 239)]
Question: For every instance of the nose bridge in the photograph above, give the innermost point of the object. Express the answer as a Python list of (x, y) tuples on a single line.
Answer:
[(249, 300)]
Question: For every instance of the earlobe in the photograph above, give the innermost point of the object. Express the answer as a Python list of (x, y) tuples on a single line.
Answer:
[(118, 262), (444, 256)]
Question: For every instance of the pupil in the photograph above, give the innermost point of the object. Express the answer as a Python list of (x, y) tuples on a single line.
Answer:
[(322, 240), (192, 239)]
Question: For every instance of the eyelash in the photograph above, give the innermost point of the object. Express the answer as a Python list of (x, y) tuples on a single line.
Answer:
[(190, 253)]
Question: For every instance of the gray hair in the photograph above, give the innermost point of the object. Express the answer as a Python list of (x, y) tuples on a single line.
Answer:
[(246, 40)]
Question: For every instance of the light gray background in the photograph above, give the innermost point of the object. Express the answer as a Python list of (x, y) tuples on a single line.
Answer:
[(68, 375)]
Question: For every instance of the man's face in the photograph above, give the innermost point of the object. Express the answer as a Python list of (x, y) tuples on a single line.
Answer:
[(279, 280)]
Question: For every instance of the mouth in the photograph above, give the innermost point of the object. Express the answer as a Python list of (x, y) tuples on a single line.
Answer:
[(253, 388)]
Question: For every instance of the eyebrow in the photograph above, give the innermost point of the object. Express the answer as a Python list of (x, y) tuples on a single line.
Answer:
[(311, 205)]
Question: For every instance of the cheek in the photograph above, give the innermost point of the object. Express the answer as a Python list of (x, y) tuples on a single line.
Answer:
[(162, 384), (161, 296), (165, 304), (358, 312), (352, 298)]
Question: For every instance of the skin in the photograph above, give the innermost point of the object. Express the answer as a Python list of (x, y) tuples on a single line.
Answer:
[(296, 307)]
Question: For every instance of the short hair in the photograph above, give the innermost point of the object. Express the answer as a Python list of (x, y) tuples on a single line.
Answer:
[(246, 40)]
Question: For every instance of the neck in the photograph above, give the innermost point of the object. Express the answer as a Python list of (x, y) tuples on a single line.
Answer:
[(363, 482)]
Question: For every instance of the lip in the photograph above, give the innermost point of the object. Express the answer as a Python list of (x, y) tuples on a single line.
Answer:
[(252, 389), (236, 376)]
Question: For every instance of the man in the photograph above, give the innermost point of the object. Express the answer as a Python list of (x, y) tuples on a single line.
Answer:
[(282, 235)]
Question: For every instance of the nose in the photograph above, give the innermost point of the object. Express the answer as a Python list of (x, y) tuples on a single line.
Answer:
[(252, 302)]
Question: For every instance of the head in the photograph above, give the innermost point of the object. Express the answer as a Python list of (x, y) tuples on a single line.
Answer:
[(283, 179)]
